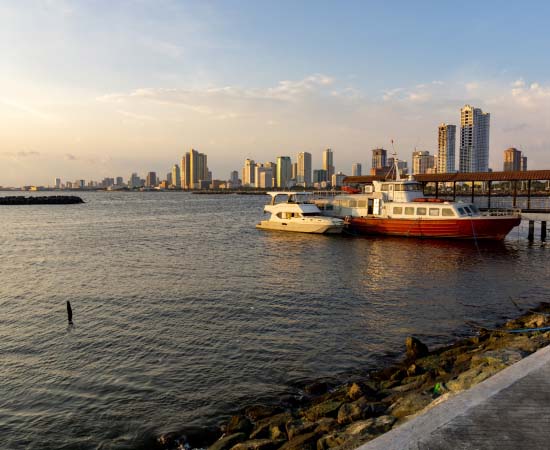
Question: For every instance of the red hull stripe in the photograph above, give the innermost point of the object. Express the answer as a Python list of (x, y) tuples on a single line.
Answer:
[(475, 228)]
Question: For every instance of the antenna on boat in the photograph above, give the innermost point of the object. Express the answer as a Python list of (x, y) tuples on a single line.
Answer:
[(395, 166)]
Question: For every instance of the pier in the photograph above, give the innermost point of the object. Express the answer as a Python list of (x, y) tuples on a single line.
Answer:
[(534, 205)]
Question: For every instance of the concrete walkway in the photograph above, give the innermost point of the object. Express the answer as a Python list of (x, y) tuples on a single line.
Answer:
[(510, 410)]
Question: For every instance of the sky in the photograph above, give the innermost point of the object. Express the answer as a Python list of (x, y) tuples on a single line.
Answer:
[(93, 89)]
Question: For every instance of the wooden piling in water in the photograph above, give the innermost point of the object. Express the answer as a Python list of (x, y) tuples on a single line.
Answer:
[(543, 231), (531, 234)]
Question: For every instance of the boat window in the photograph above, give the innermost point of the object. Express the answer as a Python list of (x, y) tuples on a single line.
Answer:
[(434, 211), (352, 204), (280, 215), (385, 187), (409, 210), (420, 211), (329, 207), (468, 210), (413, 187), (309, 214), (474, 208), (461, 211), (447, 212), (362, 203), (398, 210)]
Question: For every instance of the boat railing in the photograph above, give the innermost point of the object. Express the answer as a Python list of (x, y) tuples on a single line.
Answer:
[(501, 212)]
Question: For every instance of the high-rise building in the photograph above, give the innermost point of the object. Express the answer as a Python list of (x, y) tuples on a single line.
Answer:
[(57, 182), (379, 156), (249, 172), (328, 163), (319, 176), (446, 148), (264, 176), (234, 178), (356, 170), (303, 175), (151, 179), (474, 140), (284, 171), (422, 161), (338, 179), (176, 176), (185, 171), (198, 171), (514, 160)]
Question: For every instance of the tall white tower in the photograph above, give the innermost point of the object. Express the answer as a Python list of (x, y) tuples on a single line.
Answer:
[(474, 140), (446, 148)]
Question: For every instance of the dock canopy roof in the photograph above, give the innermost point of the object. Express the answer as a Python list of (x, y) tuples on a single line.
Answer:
[(462, 177)]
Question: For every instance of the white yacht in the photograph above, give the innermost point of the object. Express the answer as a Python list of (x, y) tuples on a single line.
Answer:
[(292, 211)]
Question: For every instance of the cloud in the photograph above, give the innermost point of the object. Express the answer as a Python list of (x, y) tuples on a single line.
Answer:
[(24, 154), (70, 157)]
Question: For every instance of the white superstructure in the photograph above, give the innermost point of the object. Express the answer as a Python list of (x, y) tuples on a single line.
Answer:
[(292, 211)]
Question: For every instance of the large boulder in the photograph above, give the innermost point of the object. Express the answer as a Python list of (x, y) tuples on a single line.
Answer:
[(306, 441), (238, 424), (225, 443), (326, 409), (410, 404), (271, 427), (258, 444), (415, 348), (474, 376), (298, 426), (359, 409), (331, 440), (374, 426), (258, 412)]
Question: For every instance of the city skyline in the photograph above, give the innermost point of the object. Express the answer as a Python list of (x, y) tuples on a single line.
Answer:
[(81, 100)]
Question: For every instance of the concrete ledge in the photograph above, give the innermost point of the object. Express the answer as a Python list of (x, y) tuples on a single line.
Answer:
[(496, 406)]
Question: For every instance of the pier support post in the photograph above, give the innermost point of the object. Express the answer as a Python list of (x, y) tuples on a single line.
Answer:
[(473, 185), (436, 189), (543, 231), (514, 203), (531, 234), (489, 185), (529, 194), (454, 191)]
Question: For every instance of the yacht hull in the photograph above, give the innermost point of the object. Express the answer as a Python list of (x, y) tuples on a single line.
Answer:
[(491, 228), (300, 228)]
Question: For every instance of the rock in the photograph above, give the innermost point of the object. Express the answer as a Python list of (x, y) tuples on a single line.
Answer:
[(238, 424), (225, 443), (258, 444), (298, 426), (317, 388), (326, 409), (257, 412), (306, 441), (474, 376), (359, 409), (331, 441), (271, 427), (326, 425), (415, 348), (376, 425), (409, 404), (355, 391), (506, 357)]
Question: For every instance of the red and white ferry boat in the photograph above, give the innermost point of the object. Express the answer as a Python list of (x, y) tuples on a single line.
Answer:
[(399, 208)]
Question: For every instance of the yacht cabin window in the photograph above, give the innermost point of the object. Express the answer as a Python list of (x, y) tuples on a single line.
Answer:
[(421, 211), (447, 212), (398, 210), (434, 211), (409, 210), (461, 211)]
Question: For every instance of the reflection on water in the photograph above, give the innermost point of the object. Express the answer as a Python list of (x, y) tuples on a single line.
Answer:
[(184, 311)]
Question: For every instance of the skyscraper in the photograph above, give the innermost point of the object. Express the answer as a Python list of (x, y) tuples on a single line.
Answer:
[(185, 168), (513, 160), (176, 177), (446, 148), (303, 176), (198, 170), (356, 170), (151, 179), (249, 172), (379, 156), (328, 163), (474, 140), (422, 161), (284, 171), (58, 183)]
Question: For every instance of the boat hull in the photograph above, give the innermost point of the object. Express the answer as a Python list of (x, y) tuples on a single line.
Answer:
[(493, 228), (322, 228)]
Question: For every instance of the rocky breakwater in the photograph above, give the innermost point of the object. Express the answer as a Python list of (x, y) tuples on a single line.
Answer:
[(346, 416), (44, 200)]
